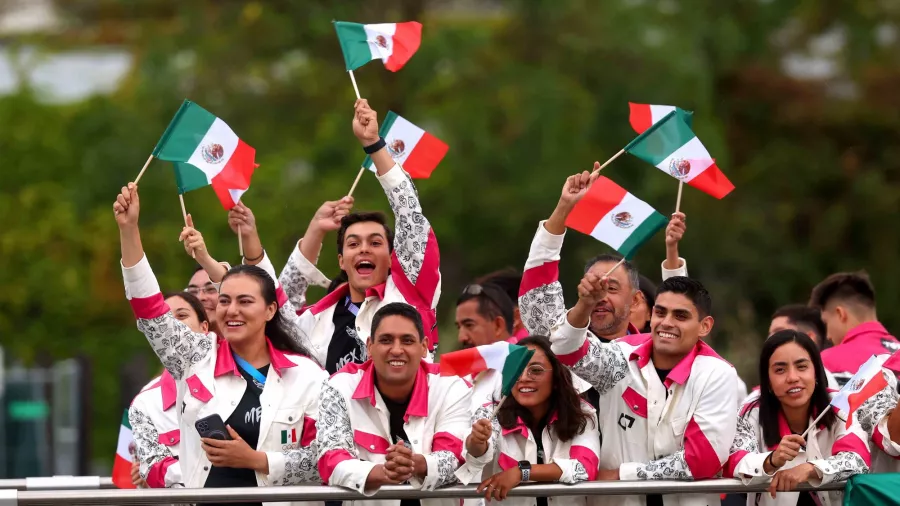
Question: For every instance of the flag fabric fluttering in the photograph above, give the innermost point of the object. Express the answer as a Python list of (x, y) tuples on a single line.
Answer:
[(671, 146), (868, 381), (416, 150), (393, 43), (643, 116), (121, 471), (509, 359), (205, 151), (611, 215)]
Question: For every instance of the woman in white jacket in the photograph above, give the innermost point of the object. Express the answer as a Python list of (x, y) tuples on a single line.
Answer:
[(261, 384), (768, 447), (544, 432)]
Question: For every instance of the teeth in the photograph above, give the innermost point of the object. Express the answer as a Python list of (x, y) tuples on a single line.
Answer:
[(794, 390), (527, 390), (667, 335), (396, 363), (235, 324)]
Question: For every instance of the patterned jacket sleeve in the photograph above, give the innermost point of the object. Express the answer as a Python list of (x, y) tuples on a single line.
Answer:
[(298, 466), (159, 467), (298, 274), (294, 324), (873, 416), (850, 455), (708, 436), (474, 467), (746, 458), (600, 364), (541, 301), (177, 347), (416, 260), (339, 463), (584, 454), (453, 424)]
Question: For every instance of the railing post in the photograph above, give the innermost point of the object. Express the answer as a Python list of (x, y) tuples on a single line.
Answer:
[(9, 497)]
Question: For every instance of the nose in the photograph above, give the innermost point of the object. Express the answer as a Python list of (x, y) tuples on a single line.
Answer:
[(792, 376), (396, 349)]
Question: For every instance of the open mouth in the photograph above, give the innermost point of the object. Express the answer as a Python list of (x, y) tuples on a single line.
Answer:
[(667, 335), (396, 363), (365, 267), (794, 391), (527, 390), (602, 310), (233, 324)]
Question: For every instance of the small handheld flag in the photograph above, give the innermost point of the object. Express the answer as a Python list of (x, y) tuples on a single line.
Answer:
[(121, 472), (509, 359), (416, 150), (868, 381), (393, 43), (643, 116)]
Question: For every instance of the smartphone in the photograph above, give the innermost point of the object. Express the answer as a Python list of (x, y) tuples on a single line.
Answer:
[(212, 427)]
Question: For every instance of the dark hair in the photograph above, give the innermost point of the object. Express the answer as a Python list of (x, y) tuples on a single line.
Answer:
[(648, 288), (277, 330), (633, 276), (769, 406), (509, 280), (354, 218), (192, 301), (398, 309), (854, 287), (808, 319), (690, 288), (571, 419), (492, 302)]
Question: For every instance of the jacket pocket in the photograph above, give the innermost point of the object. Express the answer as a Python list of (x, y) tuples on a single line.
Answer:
[(197, 389), (636, 402), (678, 426), (373, 443), (171, 438)]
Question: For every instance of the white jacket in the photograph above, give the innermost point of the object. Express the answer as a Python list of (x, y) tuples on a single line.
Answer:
[(678, 430), (154, 426), (836, 452), (576, 458), (415, 276), (354, 429), (209, 382)]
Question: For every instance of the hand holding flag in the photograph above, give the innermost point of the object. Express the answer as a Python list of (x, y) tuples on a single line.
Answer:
[(868, 381)]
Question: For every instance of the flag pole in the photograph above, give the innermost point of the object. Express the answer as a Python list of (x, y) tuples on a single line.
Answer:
[(240, 242), (184, 214), (622, 261), (362, 170), (611, 160), (499, 405), (355, 87), (815, 422), (678, 199), (141, 173)]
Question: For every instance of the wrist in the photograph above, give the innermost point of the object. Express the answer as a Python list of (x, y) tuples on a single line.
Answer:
[(420, 466), (370, 144), (261, 462)]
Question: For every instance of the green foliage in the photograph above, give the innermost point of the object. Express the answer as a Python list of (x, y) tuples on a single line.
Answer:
[(525, 94)]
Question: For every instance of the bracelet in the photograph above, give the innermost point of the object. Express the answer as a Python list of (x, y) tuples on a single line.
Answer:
[(257, 259), (770, 461), (374, 148)]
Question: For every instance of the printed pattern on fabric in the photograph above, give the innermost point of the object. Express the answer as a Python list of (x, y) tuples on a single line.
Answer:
[(146, 441), (603, 366), (542, 308), (873, 410), (295, 284), (333, 431), (847, 464), (673, 467), (300, 466), (580, 472), (745, 437), (411, 228), (174, 343), (447, 464)]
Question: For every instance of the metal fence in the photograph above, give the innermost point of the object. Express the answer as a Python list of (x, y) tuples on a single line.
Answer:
[(56, 497)]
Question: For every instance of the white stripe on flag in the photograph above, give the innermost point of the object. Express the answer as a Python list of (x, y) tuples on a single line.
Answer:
[(694, 151), (407, 134), (236, 195), (125, 439), (495, 355), (658, 112), (215, 149), (607, 231), (863, 376), (386, 30)]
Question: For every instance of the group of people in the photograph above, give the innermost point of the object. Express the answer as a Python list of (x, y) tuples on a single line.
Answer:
[(621, 386)]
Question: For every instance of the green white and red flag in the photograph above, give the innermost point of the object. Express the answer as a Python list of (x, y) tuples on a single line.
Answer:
[(643, 116), (509, 359), (392, 43), (121, 472), (416, 150)]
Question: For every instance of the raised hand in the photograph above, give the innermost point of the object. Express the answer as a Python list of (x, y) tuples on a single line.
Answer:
[(241, 220), (193, 240), (329, 215), (787, 450), (365, 122), (477, 442), (127, 207), (577, 186), (592, 288), (675, 229)]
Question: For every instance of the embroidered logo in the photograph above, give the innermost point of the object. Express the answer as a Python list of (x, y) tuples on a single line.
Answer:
[(289, 436), (212, 153), (623, 219), (625, 419)]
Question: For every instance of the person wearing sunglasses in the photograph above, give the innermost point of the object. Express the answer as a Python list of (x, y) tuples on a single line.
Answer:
[(543, 432), (484, 315)]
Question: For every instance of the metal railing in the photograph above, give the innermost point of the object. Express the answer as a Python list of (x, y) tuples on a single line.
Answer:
[(14, 497), (57, 483)]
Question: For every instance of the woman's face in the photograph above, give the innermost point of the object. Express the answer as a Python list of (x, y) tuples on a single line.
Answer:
[(792, 375), (186, 314), (242, 310), (535, 385), (640, 312)]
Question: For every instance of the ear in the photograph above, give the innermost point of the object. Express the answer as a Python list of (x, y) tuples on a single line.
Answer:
[(636, 298), (424, 347), (499, 324), (842, 314), (341, 262), (706, 326), (271, 309), (204, 326), (517, 316), (369, 343)]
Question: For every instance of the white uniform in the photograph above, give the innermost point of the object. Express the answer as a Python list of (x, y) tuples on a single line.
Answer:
[(154, 425)]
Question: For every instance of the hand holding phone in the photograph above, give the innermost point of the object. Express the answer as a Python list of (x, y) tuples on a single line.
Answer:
[(212, 427)]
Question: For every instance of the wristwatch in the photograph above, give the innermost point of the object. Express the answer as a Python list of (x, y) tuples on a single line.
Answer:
[(525, 467)]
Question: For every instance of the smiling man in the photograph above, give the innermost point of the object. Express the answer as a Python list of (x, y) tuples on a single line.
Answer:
[(379, 267), (393, 419), (671, 399)]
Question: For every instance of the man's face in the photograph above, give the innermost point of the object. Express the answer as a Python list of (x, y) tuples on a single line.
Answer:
[(610, 316), (474, 329), (784, 323), (367, 257), (396, 350), (677, 326), (201, 287)]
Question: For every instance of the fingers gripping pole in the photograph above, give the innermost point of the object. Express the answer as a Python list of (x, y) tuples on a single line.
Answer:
[(184, 214)]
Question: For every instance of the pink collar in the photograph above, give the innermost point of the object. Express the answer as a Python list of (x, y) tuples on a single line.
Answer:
[(682, 371), (868, 329), (523, 429), (342, 291), (418, 401), (225, 362)]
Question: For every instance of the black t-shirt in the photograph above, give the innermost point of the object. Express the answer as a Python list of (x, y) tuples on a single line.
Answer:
[(397, 411), (345, 346), (663, 373), (245, 421), (806, 499)]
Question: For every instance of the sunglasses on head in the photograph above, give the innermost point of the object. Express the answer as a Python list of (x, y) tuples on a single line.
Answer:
[(478, 291)]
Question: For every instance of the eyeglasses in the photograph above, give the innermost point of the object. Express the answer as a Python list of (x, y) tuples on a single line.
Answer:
[(535, 372), (208, 289)]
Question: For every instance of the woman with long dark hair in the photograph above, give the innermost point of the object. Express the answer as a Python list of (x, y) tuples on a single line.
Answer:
[(769, 446), (255, 380), (544, 432)]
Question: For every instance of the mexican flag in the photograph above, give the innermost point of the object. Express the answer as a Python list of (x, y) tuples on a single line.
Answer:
[(121, 472), (416, 150), (205, 151), (509, 359), (643, 116), (393, 43), (671, 146), (611, 215), (868, 381)]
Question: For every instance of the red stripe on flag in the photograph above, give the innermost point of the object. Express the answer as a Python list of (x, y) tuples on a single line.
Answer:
[(603, 196), (121, 473), (236, 174), (462, 363), (640, 117), (855, 400), (407, 38), (713, 182), (425, 157)]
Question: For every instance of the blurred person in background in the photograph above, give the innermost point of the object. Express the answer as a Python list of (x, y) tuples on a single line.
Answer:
[(207, 292), (484, 315), (807, 320), (643, 308), (509, 280)]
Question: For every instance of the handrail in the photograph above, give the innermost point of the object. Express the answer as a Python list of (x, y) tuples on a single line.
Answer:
[(322, 493), (57, 483)]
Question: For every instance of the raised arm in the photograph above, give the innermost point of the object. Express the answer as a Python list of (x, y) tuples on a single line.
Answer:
[(674, 265), (195, 246), (173, 342)]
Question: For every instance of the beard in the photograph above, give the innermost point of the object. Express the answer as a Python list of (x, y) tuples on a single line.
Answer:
[(610, 327)]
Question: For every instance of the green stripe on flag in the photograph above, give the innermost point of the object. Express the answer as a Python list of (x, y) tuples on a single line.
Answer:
[(188, 177), (515, 363), (184, 133), (354, 44), (644, 231), (125, 422), (284, 437), (662, 139), (383, 130)]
